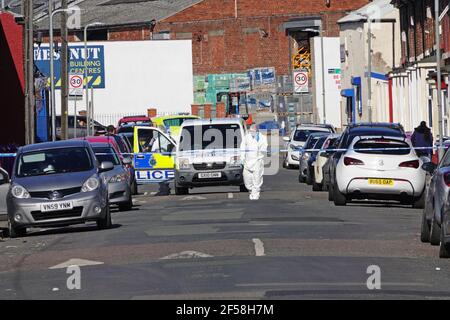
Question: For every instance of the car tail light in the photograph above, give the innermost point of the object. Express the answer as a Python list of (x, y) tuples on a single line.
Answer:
[(410, 164), (352, 162), (447, 179)]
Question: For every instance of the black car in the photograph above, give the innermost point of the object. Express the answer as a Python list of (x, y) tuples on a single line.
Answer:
[(312, 159), (355, 130), (305, 154)]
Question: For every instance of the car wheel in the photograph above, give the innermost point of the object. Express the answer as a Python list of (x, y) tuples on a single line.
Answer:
[(180, 191), (325, 187), (285, 165), (435, 233), (126, 206), (425, 230), (338, 198), (419, 203), (105, 222), (444, 248), (316, 186), (300, 178), (16, 232), (242, 188), (309, 178), (330, 192), (134, 188)]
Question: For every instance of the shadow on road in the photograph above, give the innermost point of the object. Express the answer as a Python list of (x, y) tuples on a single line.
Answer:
[(71, 229)]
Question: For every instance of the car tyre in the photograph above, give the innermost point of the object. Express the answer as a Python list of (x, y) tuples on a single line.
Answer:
[(126, 206), (425, 230), (330, 193), (243, 188), (435, 233), (316, 186), (134, 188), (419, 203), (339, 198), (14, 232), (309, 178), (181, 191), (106, 221), (300, 178)]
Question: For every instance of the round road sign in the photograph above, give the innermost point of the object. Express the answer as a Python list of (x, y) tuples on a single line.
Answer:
[(76, 82)]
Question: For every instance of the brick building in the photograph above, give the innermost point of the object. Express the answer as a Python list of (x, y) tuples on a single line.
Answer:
[(414, 83)]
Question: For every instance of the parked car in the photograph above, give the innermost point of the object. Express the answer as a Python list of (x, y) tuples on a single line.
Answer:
[(437, 191), (135, 121), (326, 169), (81, 129), (112, 140), (297, 140), (322, 158), (312, 160), (305, 155), (201, 162), (382, 168), (57, 184), (352, 131), (4, 176), (119, 179)]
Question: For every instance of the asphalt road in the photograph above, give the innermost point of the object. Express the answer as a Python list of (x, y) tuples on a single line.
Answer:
[(216, 244)]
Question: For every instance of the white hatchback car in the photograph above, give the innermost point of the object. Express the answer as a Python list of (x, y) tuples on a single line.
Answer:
[(380, 168), (297, 140)]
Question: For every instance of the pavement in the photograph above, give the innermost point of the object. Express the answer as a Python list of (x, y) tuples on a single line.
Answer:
[(217, 244)]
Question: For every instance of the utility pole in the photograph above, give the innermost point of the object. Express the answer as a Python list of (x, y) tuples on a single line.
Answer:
[(64, 73), (369, 68), (25, 70), (27, 7), (439, 77), (324, 104)]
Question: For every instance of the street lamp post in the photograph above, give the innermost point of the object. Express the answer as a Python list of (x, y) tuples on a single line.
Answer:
[(369, 67), (88, 109), (439, 77), (52, 71)]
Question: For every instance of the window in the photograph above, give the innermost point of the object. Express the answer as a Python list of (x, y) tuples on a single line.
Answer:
[(107, 155), (389, 146), (214, 136)]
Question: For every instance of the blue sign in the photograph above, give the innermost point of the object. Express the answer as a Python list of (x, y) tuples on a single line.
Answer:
[(154, 176), (95, 63)]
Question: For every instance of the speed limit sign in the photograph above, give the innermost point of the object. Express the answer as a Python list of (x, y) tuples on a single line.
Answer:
[(301, 81), (76, 85)]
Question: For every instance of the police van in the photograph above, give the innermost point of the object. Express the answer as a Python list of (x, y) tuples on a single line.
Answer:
[(154, 155), (209, 154)]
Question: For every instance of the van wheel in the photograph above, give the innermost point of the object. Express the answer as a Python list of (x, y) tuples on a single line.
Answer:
[(180, 191), (16, 232), (425, 230), (444, 248), (435, 233), (243, 188), (106, 222), (338, 198)]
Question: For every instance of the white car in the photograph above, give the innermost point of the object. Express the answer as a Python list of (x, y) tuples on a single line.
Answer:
[(380, 168), (321, 160), (297, 140)]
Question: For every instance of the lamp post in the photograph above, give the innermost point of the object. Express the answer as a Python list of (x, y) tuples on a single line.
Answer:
[(320, 32), (52, 71), (88, 109), (439, 77)]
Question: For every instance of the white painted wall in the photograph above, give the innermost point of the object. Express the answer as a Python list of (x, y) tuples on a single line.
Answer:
[(332, 89), (141, 75)]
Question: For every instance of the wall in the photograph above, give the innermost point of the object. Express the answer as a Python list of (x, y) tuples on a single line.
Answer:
[(141, 75), (12, 100)]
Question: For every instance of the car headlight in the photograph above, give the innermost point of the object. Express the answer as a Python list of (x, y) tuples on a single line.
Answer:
[(183, 163), (91, 184), (294, 157), (19, 192), (235, 161), (118, 178)]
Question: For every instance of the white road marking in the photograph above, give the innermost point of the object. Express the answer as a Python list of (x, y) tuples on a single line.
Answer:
[(230, 195), (331, 284), (55, 289), (76, 262), (259, 247), (153, 193), (193, 198), (187, 255)]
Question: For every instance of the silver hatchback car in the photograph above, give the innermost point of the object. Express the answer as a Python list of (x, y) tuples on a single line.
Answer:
[(57, 184)]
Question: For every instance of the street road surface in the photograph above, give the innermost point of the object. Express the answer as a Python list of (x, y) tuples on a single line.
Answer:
[(216, 244)]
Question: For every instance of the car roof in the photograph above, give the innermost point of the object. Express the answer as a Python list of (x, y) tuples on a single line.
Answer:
[(364, 130), (201, 122), (99, 139), (54, 145), (134, 118), (178, 116), (101, 145)]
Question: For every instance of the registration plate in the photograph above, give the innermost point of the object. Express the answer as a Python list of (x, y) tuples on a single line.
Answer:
[(56, 206), (210, 175), (382, 182)]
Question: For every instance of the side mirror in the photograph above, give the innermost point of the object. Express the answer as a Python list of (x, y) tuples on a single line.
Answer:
[(286, 139), (127, 161), (429, 167), (106, 166)]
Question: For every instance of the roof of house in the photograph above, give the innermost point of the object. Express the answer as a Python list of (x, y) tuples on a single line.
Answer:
[(377, 9), (110, 12)]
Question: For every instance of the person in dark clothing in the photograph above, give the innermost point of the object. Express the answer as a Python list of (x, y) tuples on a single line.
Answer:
[(110, 130), (423, 138)]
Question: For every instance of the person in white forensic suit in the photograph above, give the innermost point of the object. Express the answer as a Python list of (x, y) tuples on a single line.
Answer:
[(254, 149)]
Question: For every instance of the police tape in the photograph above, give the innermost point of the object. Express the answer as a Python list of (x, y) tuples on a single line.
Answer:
[(275, 150)]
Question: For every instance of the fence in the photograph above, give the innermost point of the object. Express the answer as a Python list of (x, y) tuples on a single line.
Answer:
[(113, 118)]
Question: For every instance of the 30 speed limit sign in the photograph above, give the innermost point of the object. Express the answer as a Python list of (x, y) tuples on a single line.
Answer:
[(301, 81), (76, 85)]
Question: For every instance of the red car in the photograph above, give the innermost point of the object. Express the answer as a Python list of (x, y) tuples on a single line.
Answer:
[(111, 140), (134, 120)]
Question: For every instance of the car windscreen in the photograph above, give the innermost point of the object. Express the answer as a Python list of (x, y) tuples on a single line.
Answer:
[(106, 155), (320, 143), (302, 135), (175, 122), (382, 146), (311, 142), (130, 138), (214, 136), (54, 161)]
